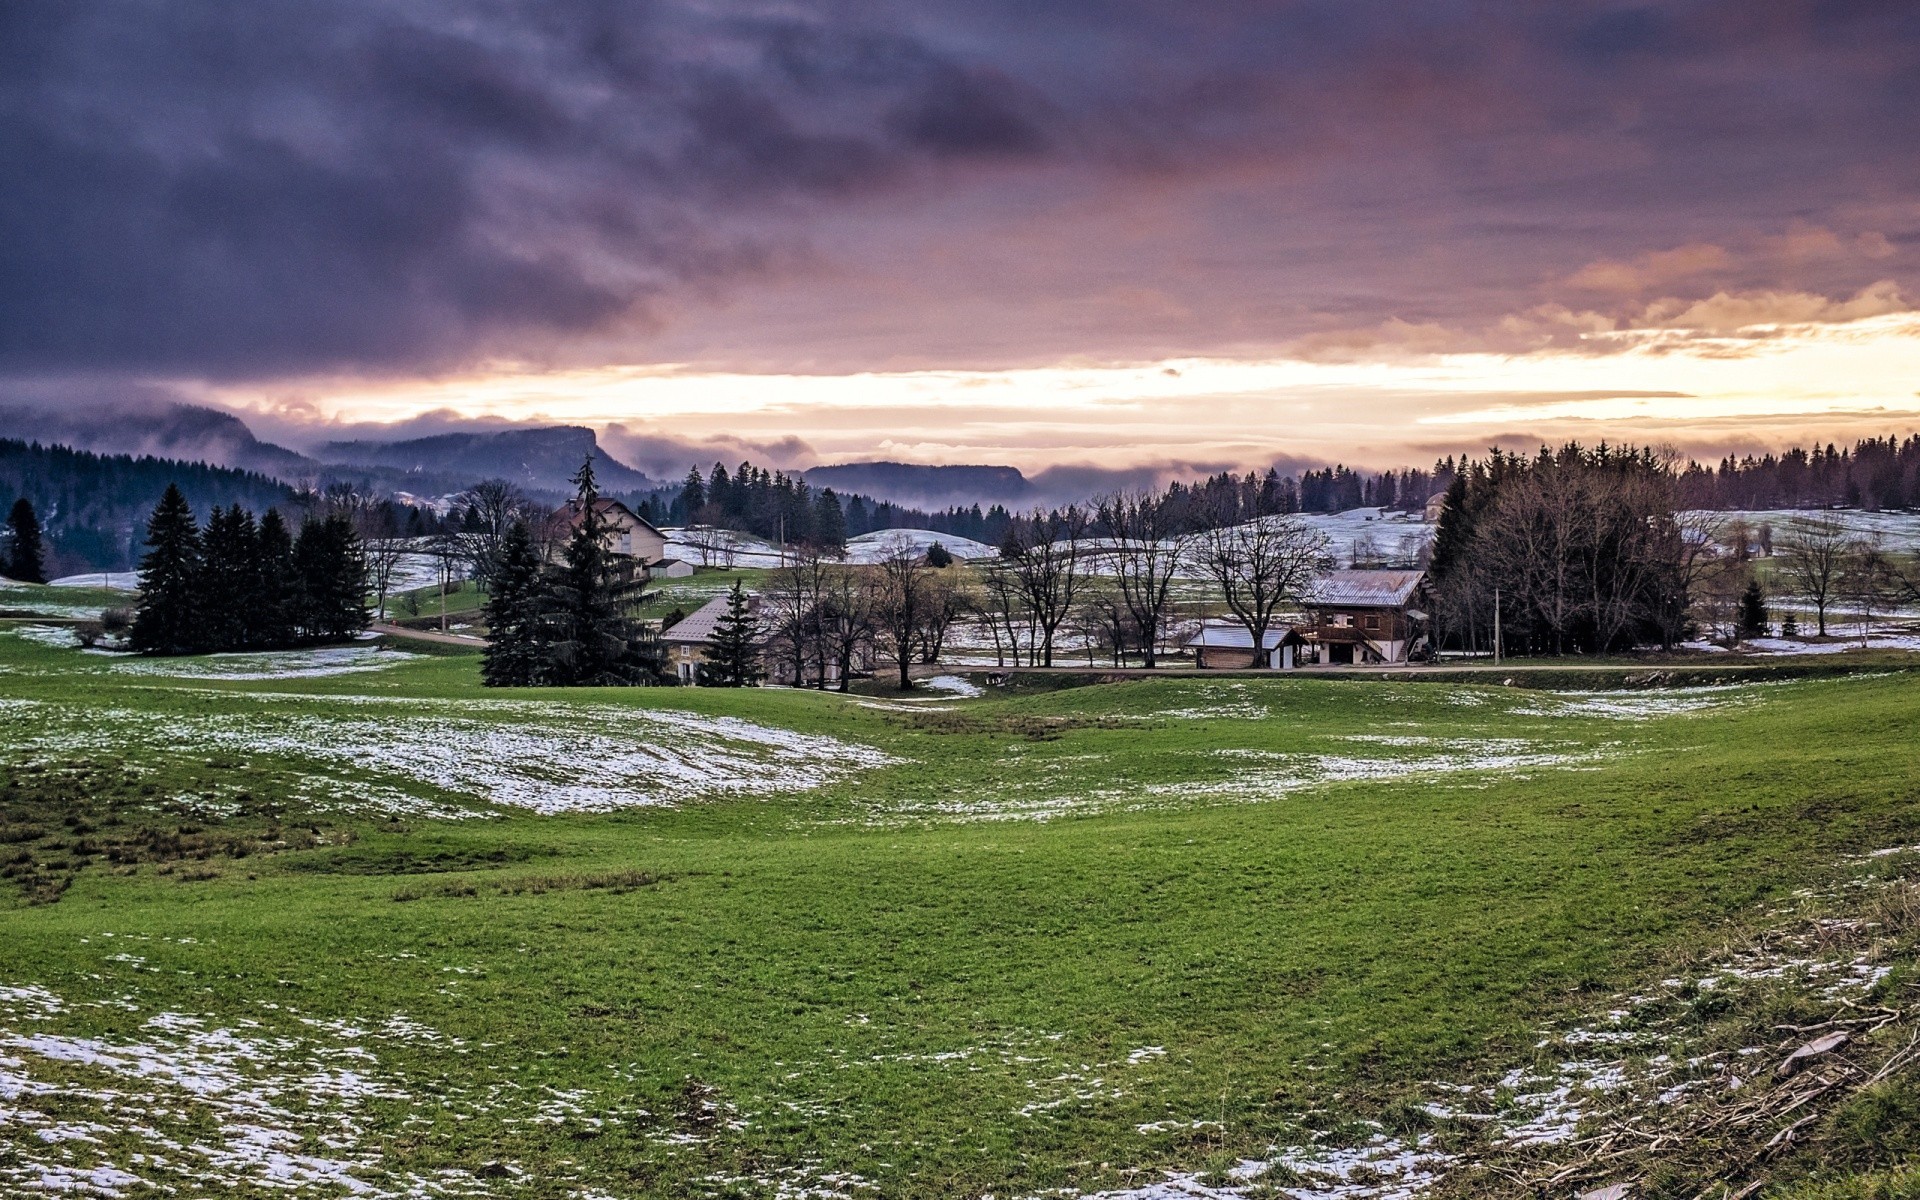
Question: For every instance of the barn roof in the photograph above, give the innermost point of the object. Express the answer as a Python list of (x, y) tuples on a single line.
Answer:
[(1235, 637), (700, 624), (1364, 589)]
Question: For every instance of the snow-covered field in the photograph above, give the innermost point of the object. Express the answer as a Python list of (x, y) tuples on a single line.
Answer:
[(872, 547), (1894, 530), (430, 756), (113, 581), (721, 547)]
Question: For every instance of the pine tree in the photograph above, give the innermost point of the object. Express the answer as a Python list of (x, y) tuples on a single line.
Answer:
[(733, 652), (331, 567), (25, 561), (693, 496), (167, 619), (594, 642), (515, 655), (274, 585), (829, 523), (1753, 612), (1454, 535), (229, 603)]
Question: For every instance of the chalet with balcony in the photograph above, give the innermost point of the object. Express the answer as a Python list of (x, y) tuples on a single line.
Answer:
[(1363, 617)]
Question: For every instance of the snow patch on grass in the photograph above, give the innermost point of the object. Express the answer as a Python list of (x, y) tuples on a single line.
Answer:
[(273, 664), (427, 756), (955, 685)]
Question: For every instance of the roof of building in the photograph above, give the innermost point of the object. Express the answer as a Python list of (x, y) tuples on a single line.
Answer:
[(700, 624), (569, 512), (1364, 589), (1223, 636)]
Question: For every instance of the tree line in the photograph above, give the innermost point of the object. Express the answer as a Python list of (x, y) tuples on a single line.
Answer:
[(242, 584), (1877, 473), (1591, 550)]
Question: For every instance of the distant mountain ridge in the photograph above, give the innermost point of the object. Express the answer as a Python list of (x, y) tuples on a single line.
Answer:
[(542, 461), (539, 460), (923, 486)]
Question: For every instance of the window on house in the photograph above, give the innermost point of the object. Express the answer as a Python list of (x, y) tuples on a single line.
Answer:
[(1373, 622)]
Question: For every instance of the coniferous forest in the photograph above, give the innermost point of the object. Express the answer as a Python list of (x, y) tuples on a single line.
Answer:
[(246, 584)]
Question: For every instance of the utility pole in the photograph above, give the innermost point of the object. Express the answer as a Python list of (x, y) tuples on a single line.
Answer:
[(1496, 627)]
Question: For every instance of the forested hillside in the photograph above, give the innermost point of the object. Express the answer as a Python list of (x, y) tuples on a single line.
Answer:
[(95, 505)]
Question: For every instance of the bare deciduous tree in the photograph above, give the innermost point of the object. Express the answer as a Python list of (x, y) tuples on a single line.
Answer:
[(1045, 553), (713, 546), (948, 599), (1812, 559), (794, 597), (1147, 544), (1261, 565), (1004, 611), (488, 510), (900, 595), (844, 619), (1869, 583)]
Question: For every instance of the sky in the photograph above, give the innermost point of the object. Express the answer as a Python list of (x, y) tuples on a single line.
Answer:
[(1105, 232)]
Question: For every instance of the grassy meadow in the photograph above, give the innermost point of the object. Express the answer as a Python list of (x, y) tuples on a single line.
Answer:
[(347, 923)]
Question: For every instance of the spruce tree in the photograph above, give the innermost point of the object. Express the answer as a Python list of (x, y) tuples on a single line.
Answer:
[(25, 561), (228, 601), (274, 586), (1753, 612), (515, 655), (167, 618), (829, 523), (693, 496), (331, 567), (733, 652), (594, 642)]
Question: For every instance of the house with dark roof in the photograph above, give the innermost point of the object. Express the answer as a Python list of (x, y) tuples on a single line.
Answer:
[(634, 536), (1366, 616), (687, 639)]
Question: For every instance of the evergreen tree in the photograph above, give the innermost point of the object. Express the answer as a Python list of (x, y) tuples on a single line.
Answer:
[(167, 619), (594, 642), (693, 496), (331, 567), (1455, 531), (733, 652), (1753, 612), (229, 604), (274, 586), (25, 561), (515, 655), (829, 523)]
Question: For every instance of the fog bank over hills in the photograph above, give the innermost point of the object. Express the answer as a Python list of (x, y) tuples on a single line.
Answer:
[(540, 459), (156, 428)]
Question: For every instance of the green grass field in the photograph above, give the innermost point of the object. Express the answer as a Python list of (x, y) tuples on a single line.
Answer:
[(270, 931)]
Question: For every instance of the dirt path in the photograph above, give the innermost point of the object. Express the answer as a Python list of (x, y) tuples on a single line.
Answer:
[(426, 635)]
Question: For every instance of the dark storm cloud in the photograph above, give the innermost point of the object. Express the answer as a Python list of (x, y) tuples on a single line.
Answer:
[(266, 187)]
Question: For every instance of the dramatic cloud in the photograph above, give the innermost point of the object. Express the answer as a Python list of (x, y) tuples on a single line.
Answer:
[(287, 204)]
